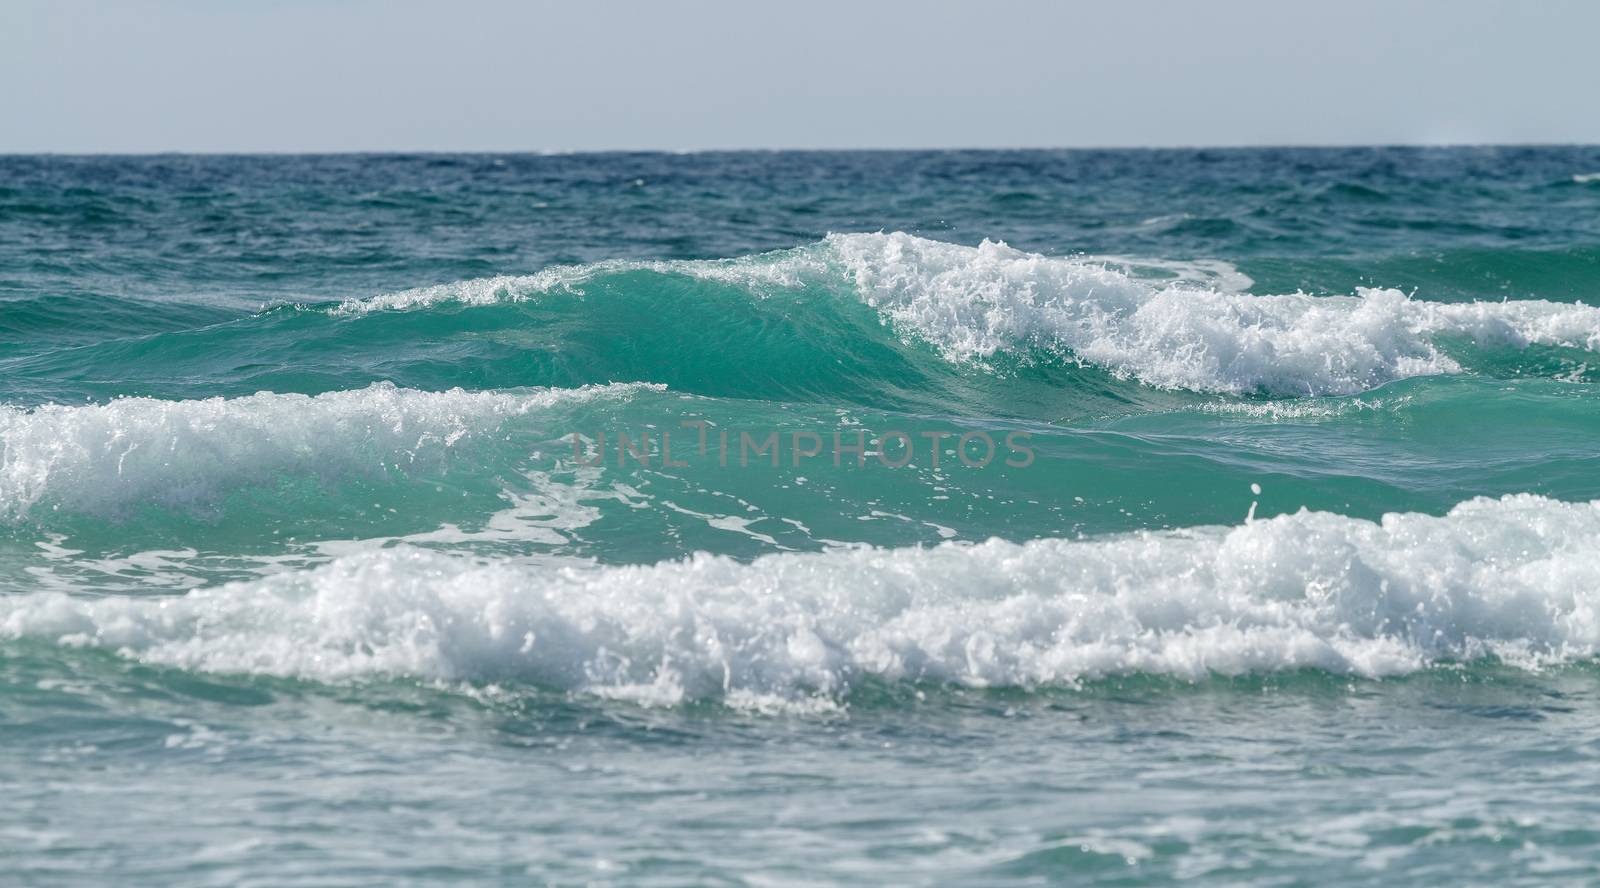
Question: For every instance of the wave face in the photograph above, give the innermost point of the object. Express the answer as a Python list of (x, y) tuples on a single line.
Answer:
[(1513, 578), (883, 320), (976, 303)]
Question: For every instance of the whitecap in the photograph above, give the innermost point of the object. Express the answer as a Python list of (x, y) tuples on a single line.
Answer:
[(102, 458), (1515, 578), (975, 302), (1197, 329)]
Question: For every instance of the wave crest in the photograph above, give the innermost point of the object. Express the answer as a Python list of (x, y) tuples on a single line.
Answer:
[(1514, 578), (973, 304), (104, 458)]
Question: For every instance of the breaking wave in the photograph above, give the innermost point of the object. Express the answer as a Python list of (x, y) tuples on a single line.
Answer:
[(976, 303), (1515, 579), (104, 458)]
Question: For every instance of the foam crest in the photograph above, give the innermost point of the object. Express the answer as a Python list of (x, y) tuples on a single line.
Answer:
[(783, 268), (1171, 325), (104, 458), (1516, 578), (974, 302)]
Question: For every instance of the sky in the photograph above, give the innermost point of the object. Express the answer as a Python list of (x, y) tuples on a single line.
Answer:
[(498, 75)]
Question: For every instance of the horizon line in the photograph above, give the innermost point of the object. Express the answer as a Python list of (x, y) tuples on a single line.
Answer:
[(551, 152)]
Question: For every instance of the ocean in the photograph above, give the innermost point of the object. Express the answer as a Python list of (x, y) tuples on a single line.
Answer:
[(1087, 517)]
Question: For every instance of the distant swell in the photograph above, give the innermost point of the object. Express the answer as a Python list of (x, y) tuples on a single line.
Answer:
[(1516, 579), (976, 303)]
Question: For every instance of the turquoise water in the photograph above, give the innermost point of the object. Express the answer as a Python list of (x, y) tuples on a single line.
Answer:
[(1129, 517)]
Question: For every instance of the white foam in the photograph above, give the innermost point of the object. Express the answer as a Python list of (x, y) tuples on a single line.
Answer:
[(1275, 411), (783, 268), (102, 458), (1212, 274), (1194, 331), (1517, 577), (973, 302)]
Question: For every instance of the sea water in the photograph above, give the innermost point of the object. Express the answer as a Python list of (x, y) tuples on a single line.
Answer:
[(1104, 517)]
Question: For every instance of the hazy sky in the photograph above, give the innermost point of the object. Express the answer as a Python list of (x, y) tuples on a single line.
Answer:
[(337, 75)]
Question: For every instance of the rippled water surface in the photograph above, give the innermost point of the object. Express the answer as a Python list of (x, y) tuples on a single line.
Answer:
[(973, 517)]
